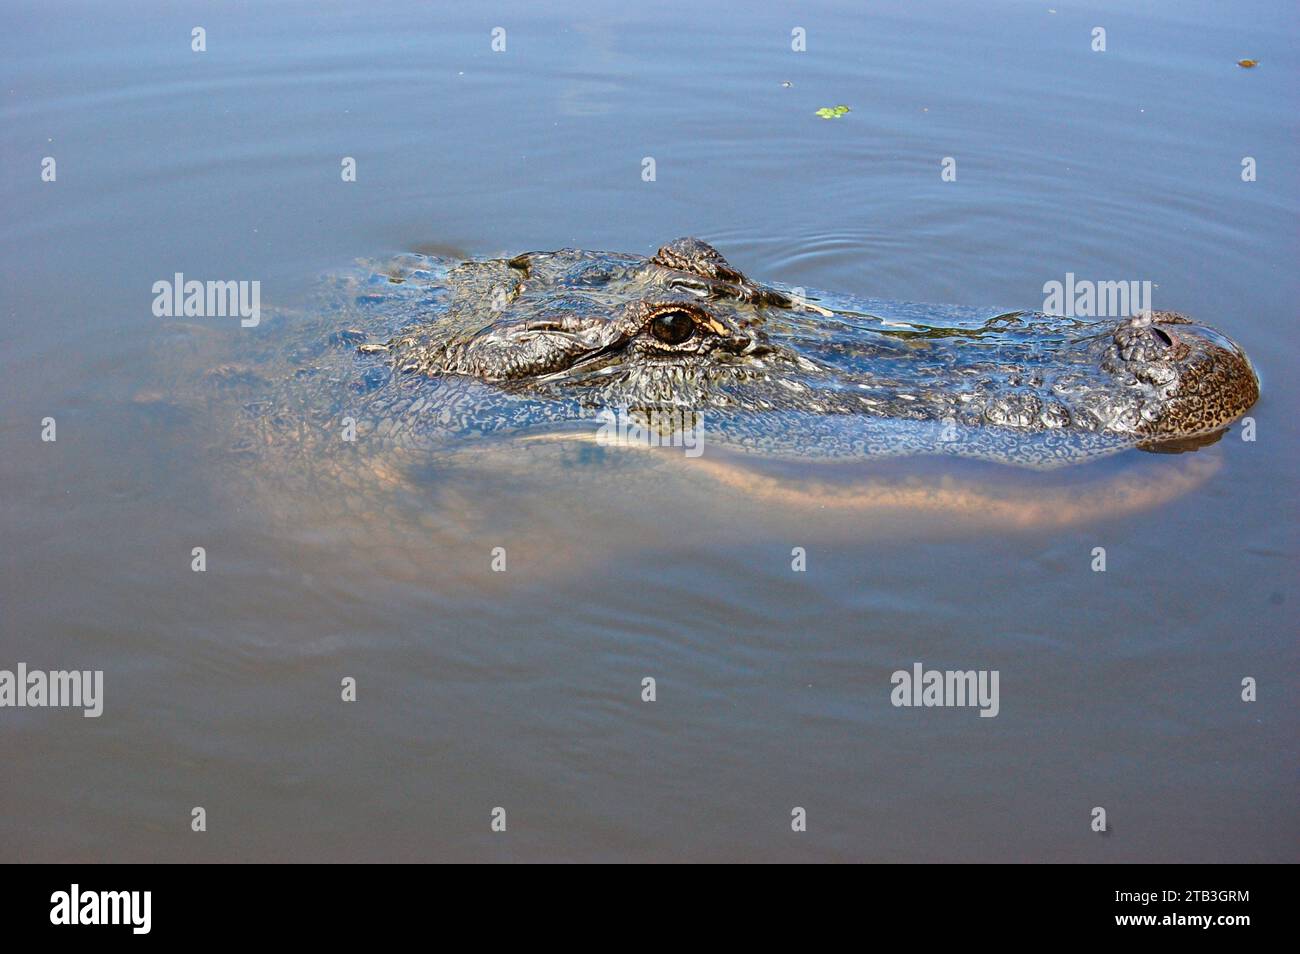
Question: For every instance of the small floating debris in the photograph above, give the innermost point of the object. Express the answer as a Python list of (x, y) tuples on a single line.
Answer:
[(786, 84), (1248, 64), (832, 112)]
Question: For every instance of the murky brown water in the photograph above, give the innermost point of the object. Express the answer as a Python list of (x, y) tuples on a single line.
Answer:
[(523, 689)]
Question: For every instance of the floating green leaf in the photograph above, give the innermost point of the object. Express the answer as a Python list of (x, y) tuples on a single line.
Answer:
[(829, 112)]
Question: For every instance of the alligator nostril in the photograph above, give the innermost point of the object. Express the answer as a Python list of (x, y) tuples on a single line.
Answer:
[(1163, 336)]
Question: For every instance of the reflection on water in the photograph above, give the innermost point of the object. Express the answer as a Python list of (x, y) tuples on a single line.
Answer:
[(524, 688)]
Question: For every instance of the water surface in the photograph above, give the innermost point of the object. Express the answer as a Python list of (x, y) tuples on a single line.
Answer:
[(522, 690)]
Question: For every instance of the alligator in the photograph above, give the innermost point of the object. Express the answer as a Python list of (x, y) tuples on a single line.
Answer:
[(561, 334), (410, 368)]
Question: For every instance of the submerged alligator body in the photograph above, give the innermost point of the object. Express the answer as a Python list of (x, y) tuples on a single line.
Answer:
[(550, 337), (421, 406)]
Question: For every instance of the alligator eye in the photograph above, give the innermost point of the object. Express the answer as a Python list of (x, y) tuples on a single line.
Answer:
[(1163, 336), (672, 327)]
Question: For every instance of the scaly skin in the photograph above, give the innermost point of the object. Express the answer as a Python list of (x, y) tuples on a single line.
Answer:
[(560, 335)]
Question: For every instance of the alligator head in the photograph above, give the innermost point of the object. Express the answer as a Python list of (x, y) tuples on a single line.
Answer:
[(686, 329)]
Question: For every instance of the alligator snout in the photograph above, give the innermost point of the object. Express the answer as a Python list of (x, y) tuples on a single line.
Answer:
[(1202, 379)]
